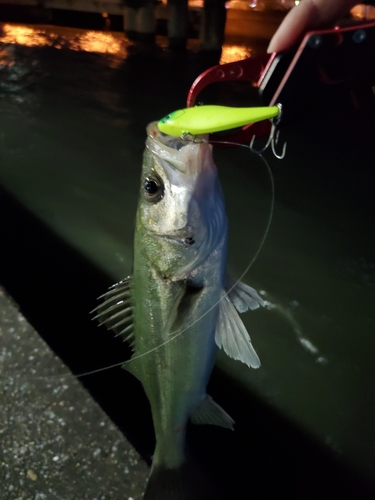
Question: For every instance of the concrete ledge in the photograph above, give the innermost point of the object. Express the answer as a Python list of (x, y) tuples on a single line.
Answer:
[(56, 443)]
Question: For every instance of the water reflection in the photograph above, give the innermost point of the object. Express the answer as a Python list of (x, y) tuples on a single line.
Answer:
[(93, 41), (73, 39), (231, 53), (23, 36), (103, 43)]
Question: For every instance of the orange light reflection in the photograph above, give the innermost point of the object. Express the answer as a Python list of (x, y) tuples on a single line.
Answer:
[(79, 40), (231, 53), (91, 41), (104, 43), (24, 36)]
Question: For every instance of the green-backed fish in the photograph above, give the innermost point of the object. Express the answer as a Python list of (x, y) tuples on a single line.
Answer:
[(179, 306)]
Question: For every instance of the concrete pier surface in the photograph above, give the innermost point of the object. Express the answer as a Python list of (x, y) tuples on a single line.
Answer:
[(56, 443)]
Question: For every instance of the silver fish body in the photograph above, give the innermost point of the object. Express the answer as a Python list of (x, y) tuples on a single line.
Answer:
[(179, 305), (179, 270)]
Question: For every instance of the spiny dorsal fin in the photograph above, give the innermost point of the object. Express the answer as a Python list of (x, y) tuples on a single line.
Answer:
[(231, 334), (209, 412), (243, 296), (116, 310)]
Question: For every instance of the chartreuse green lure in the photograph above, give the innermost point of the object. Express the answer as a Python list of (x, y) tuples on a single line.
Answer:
[(208, 119)]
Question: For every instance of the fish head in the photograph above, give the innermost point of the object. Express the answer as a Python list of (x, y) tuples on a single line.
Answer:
[(181, 212)]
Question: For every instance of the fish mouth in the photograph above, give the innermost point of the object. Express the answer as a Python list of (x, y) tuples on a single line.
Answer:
[(181, 154)]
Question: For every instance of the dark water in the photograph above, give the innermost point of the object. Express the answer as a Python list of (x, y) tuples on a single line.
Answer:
[(72, 131)]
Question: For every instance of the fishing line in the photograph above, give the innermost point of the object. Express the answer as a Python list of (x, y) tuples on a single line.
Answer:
[(177, 333), (67, 374)]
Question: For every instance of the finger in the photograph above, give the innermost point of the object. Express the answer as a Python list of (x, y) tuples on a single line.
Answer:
[(308, 14)]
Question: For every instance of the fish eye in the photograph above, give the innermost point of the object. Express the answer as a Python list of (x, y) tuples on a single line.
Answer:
[(153, 189)]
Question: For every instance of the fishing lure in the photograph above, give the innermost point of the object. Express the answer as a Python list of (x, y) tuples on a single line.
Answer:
[(211, 118)]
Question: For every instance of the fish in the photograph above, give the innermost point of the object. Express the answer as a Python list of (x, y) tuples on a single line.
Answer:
[(179, 306)]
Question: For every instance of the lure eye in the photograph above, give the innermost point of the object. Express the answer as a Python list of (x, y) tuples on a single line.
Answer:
[(153, 189)]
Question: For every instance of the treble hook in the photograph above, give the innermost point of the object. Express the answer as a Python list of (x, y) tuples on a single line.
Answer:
[(186, 136), (273, 138)]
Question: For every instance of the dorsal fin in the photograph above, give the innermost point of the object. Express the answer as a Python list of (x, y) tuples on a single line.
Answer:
[(116, 310)]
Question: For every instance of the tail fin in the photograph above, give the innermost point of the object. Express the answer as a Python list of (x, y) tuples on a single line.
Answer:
[(188, 482)]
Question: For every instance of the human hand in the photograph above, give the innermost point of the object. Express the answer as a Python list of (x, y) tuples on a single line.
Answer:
[(307, 15)]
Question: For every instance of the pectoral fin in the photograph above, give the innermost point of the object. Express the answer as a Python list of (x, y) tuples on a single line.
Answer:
[(231, 335), (243, 296), (209, 412), (115, 312)]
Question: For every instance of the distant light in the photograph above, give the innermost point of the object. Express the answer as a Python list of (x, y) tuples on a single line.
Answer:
[(296, 2)]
